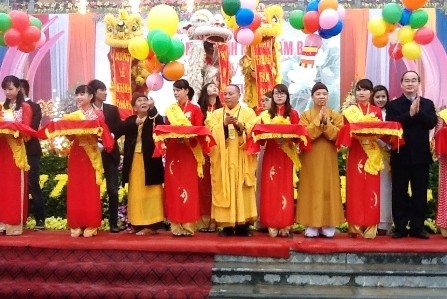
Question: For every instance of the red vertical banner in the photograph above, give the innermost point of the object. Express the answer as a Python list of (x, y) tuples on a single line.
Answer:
[(121, 64), (224, 66), (263, 60)]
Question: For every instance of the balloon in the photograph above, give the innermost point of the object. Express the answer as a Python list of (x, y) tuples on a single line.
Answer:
[(41, 40), (230, 7), (154, 82), (33, 21), (395, 51), (313, 40), (257, 38), (405, 19), (380, 41), (5, 22), (19, 19), (418, 18), (424, 36), (312, 6), (414, 4), (328, 33), (250, 4), (405, 35), (244, 36), (256, 22), (377, 26), (27, 47), (411, 50), (311, 21), (296, 19), (328, 18), (391, 13), (177, 49), (138, 48), (327, 4), (153, 65), (341, 12), (390, 27), (173, 71), (164, 18), (231, 22), (244, 17), (161, 43), (12, 37), (151, 35), (163, 59), (31, 34)]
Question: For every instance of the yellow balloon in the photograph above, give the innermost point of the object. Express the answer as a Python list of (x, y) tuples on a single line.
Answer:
[(229, 21), (377, 26), (164, 18), (405, 35), (138, 48), (412, 50)]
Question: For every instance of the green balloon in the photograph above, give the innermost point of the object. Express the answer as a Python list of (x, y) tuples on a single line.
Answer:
[(161, 44), (151, 35), (230, 7), (5, 22), (176, 51), (418, 18), (163, 59), (296, 19), (33, 21), (391, 13)]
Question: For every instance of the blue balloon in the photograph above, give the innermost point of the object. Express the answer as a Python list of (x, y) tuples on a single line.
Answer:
[(244, 17), (405, 19), (313, 5), (328, 33)]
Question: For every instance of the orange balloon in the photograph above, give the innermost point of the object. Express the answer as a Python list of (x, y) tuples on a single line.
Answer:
[(153, 65), (258, 37), (174, 70), (380, 41), (327, 4), (390, 27), (414, 4)]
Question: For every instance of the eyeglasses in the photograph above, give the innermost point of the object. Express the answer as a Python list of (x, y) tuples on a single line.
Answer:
[(279, 93)]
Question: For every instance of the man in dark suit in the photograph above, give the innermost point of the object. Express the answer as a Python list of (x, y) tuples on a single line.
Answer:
[(34, 153), (410, 164), (111, 160)]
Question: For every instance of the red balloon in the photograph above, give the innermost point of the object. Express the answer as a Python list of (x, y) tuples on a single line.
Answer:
[(256, 22), (311, 21), (20, 20), (27, 47), (395, 51), (31, 34), (424, 36), (12, 37)]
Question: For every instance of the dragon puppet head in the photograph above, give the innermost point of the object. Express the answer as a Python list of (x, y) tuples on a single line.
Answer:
[(272, 21), (205, 26), (121, 29)]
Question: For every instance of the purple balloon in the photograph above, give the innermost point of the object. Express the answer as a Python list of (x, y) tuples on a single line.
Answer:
[(313, 40), (328, 33), (154, 82)]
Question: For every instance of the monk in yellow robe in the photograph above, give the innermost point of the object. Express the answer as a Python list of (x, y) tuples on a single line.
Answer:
[(233, 178)]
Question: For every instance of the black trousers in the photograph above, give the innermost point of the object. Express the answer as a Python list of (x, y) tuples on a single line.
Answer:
[(38, 204), (409, 209), (111, 176)]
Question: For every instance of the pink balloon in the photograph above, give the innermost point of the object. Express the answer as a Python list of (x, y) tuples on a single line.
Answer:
[(424, 36), (341, 12), (154, 82), (250, 4), (41, 40), (328, 18), (313, 40), (245, 36)]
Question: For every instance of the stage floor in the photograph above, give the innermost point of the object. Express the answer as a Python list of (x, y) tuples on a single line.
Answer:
[(261, 244)]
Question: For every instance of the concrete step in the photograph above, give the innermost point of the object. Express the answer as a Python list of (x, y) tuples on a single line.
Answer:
[(334, 292), (358, 275)]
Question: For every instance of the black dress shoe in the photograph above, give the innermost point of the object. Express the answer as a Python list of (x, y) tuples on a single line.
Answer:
[(226, 232), (243, 230), (398, 234), (420, 234), (114, 229)]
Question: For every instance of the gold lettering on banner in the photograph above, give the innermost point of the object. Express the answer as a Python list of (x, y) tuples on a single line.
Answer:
[(123, 87), (184, 195), (283, 202), (272, 172), (121, 56), (360, 166)]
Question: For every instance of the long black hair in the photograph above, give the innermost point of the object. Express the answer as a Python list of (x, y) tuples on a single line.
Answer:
[(203, 99), (20, 97), (274, 107)]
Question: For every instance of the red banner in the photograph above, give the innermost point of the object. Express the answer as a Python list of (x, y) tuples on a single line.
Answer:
[(224, 66), (121, 64), (263, 59)]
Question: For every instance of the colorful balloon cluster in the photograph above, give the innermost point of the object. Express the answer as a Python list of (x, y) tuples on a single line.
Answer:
[(324, 16), (18, 29), (159, 48), (411, 34), (240, 15)]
